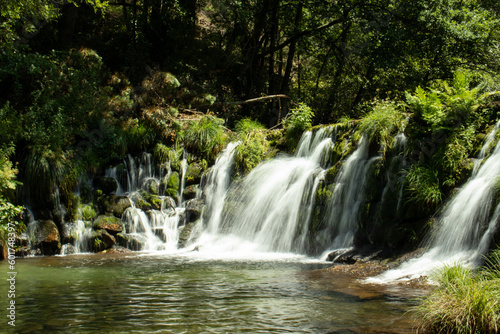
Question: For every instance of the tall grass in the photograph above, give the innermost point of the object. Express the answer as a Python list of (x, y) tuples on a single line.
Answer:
[(465, 301)]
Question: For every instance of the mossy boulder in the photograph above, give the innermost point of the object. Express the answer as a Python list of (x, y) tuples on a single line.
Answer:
[(102, 240), (151, 186), (173, 184), (107, 185), (140, 202), (193, 175), (112, 204), (111, 224), (190, 192), (46, 237)]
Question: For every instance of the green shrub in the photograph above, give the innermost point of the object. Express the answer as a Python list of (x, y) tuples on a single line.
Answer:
[(251, 151), (247, 125), (205, 136), (422, 187), (447, 105), (383, 122), (296, 122), (465, 301)]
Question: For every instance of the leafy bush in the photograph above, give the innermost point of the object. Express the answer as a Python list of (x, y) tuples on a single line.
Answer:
[(464, 302), (382, 122), (447, 105), (296, 122)]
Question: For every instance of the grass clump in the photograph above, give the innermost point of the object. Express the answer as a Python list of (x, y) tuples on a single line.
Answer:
[(422, 187), (253, 147), (205, 137), (466, 301), (382, 122)]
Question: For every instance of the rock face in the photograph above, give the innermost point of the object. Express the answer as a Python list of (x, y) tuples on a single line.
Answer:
[(111, 224), (107, 185), (46, 237)]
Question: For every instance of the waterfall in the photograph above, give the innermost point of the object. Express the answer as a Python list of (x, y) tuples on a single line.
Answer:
[(344, 210), (268, 210), (216, 186), (466, 226)]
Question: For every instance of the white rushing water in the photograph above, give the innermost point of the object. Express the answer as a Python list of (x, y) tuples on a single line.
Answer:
[(268, 210), (348, 195), (465, 227)]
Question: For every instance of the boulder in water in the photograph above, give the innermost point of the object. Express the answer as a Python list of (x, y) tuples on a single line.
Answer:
[(45, 237), (102, 240), (194, 208), (187, 233), (111, 224), (107, 185), (131, 241)]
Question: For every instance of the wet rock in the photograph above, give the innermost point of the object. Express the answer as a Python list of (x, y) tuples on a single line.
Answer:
[(113, 204), (131, 241), (190, 192), (140, 202), (194, 209), (151, 186), (102, 240), (169, 203), (46, 237), (188, 232), (193, 174), (67, 233), (111, 224), (68, 249), (107, 185)]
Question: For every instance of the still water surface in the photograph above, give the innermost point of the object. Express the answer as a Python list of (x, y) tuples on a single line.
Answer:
[(162, 293)]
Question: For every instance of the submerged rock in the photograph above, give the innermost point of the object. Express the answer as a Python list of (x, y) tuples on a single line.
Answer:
[(151, 186)]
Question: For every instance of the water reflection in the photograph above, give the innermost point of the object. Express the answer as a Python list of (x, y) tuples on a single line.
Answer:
[(178, 294)]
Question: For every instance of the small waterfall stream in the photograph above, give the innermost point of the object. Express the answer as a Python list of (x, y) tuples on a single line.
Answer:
[(348, 196), (466, 226)]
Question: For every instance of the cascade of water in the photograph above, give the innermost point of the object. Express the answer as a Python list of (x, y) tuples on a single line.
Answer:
[(183, 180), (395, 174), (464, 228), (348, 195), (216, 185), (82, 234), (268, 209)]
